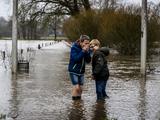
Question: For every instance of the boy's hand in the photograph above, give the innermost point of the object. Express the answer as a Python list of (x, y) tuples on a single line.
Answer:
[(85, 48)]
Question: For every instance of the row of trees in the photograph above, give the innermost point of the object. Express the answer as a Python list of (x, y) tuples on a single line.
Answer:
[(5, 27), (114, 24), (37, 18), (42, 17)]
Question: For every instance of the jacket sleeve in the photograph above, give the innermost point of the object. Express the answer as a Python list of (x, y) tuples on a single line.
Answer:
[(77, 56), (99, 62)]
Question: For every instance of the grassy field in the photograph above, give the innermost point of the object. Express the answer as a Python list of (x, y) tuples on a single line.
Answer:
[(52, 38), (42, 38)]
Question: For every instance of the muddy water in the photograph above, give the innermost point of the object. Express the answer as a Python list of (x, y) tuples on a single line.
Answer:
[(44, 92)]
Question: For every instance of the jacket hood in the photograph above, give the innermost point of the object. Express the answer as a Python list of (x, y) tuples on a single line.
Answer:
[(104, 50)]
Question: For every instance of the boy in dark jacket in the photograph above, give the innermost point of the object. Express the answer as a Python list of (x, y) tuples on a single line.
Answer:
[(79, 55), (100, 70)]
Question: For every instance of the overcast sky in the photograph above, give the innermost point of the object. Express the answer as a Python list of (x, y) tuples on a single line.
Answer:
[(5, 9), (139, 1)]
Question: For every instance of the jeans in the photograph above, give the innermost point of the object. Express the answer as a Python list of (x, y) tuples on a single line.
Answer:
[(100, 88), (77, 79)]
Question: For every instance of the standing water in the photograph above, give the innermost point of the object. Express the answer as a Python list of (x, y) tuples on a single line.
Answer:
[(44, 92)]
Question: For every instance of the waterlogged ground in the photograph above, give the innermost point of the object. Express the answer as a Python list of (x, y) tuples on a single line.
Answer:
[(44, 92)]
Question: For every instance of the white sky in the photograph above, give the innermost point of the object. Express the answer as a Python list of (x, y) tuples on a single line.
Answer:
[(5, 9), (138, 2)]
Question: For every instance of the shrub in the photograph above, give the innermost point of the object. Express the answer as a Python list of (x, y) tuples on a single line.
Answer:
[(85, 23), (120, 28)]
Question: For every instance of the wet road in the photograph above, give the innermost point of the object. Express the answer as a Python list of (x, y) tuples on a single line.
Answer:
[(44, 92)]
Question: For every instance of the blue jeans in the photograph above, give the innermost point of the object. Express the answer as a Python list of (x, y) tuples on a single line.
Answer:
[(100, 88), (77, 79)]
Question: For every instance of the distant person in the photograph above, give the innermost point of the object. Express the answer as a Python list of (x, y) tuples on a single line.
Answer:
[(100, 71), (79, 55)]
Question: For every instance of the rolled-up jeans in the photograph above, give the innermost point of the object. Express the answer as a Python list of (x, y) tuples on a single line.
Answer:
[(77, 79)]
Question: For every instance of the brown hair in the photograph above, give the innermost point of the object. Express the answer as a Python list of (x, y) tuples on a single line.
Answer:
[(82, 38)]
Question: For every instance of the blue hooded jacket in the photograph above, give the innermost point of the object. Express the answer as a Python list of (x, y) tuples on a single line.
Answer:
[(78, 58)]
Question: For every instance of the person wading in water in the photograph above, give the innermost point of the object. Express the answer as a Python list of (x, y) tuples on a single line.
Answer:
[(100, 71), (79, 55)]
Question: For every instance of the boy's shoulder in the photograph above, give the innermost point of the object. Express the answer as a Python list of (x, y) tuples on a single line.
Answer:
[(75, 46), (98, 52)]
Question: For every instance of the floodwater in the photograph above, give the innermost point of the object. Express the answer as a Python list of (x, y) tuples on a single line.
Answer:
[(43, 93)]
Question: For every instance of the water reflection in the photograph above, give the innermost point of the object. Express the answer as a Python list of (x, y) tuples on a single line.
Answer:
[(142, 99), (124, 67), (44, 92), (100, 112), (13, 102), (77, 111)]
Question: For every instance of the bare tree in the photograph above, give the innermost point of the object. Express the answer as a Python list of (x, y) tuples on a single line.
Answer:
[(105, 4), (59, 7), (33, 12)]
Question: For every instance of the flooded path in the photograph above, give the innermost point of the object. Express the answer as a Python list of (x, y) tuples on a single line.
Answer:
[(44, 92)]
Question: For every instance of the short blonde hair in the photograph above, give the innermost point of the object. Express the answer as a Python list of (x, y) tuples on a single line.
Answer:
[(95, 42)]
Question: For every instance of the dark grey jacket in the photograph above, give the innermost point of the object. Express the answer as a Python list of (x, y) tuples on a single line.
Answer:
[(100, 69)]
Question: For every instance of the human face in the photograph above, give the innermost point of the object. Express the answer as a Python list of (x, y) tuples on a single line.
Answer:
[(85, 43), (94, 47)]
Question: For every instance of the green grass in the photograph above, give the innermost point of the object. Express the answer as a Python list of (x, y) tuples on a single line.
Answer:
[(5, 38)]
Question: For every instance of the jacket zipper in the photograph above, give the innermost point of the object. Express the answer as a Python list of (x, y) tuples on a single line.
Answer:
[(74, 66), (82, 65)]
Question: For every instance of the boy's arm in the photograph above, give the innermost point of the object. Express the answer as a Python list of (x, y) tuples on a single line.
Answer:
[(76, 56)]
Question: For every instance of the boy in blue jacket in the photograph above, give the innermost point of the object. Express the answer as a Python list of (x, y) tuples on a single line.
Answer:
[(79, 55)]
